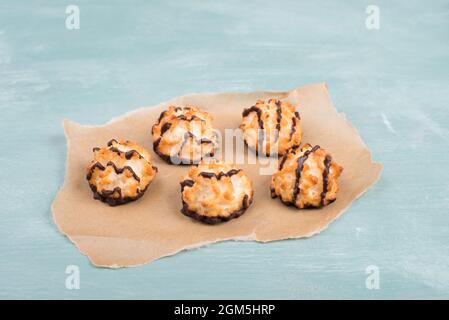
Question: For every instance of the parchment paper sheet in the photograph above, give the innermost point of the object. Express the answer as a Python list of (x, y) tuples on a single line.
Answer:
[(153, 227)]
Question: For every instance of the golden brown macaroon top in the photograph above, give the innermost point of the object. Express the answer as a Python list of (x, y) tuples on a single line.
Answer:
[(120, 172), (184, 135), (271, 128), (306, 177)]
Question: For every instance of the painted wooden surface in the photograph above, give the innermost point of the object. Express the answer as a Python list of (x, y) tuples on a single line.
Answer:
[(392, 83)]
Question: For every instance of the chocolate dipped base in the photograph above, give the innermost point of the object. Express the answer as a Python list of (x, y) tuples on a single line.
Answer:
[(106, 196)]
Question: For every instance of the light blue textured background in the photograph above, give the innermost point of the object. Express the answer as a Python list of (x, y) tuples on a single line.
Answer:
[(393, 84)]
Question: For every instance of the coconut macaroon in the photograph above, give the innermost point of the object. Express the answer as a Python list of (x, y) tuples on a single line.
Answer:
[(120, 172), (184, 135), (214, 192), (306, 177), (271, 128)]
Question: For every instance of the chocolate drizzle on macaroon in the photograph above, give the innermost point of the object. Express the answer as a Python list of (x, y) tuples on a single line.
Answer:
[(260, 130), (167, 123), (327, 165), (257, 134), (121, 156), (217, 205), (314, 191), (228, 174), (279, 118), (299, 170)]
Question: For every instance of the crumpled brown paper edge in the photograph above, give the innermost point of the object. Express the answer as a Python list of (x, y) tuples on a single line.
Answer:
[(77, 240)]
